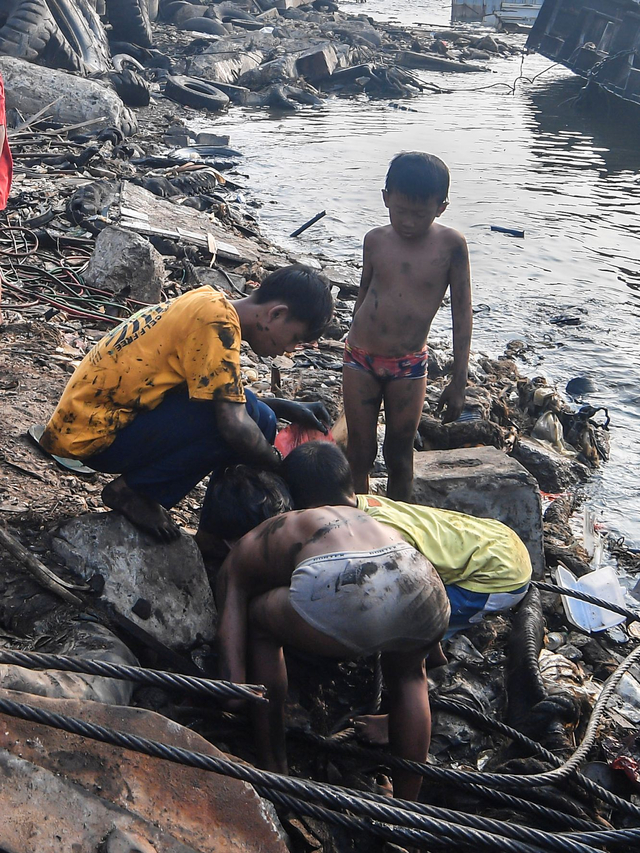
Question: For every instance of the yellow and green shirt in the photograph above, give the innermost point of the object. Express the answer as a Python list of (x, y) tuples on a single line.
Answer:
[(479, 554), (192, 340)]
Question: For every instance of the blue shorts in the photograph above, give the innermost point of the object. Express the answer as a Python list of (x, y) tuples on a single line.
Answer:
[(468, 607), (165, 452)]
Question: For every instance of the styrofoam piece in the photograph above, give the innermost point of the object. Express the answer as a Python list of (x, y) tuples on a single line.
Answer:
[(602, 584)]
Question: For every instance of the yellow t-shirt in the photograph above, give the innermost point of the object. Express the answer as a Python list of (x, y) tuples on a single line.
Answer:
[(193, 339), (479, 554)]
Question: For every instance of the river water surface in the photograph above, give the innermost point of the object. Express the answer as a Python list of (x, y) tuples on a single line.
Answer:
[(520, 156)]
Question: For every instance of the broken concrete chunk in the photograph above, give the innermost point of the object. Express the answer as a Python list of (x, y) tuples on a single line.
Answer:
[(276, 71), (69, 99), (483, 481), (223, 67), (171, 576), (125, 261), (317, 63), (64, 785), (347, 279)]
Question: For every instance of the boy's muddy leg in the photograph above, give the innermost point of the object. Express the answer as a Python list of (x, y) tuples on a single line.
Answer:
[(273, 623), (362, 395), (403, 401), (141, 511)]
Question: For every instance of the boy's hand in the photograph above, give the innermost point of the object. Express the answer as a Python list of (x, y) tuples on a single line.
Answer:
[(451, 402), (314, 416)]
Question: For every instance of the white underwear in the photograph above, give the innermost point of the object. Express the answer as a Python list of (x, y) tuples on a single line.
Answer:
[(390, 599)]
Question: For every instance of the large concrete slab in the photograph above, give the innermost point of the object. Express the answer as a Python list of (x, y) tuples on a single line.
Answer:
[(62, 793), (485, 482)]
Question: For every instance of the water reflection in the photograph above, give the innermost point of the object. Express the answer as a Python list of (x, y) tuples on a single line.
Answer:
[(593, 159), (525, 160), (557, 115)]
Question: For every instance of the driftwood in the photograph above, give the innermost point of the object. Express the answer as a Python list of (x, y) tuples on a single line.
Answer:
[(40, 572)]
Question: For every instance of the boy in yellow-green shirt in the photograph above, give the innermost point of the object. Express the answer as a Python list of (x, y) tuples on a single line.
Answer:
[(483, 564)]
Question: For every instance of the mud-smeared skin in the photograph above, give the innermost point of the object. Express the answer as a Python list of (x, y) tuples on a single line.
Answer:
[(531, 709)]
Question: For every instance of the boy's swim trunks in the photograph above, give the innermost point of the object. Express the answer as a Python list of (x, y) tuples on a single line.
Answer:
[(410, 366), (389, 599), (468, 607)]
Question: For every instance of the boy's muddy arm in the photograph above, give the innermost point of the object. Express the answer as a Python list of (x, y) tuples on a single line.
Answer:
[(367, 273), (409, 717), (453, 396), (243, 434), (231, 634)]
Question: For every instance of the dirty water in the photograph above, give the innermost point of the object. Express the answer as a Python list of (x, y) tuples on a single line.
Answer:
[(521, 157)]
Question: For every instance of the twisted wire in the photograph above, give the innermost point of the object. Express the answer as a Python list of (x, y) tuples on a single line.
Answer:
[(590, 599), (124, 672), (501, 798), (376, 807)]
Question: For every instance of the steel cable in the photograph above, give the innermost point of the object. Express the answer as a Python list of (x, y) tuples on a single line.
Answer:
[(140, 675), (590, 599), (518, 804), (375, 807), (208, 687)]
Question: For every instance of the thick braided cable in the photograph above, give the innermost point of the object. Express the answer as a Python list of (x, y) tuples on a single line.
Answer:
[(590, 599), (400, 812), (140, 675)]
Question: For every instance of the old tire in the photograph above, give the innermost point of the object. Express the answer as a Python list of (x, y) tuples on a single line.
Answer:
[(62, 34), (79, 40), (130, 21), (193, 92), (26, 31), (132, 88)]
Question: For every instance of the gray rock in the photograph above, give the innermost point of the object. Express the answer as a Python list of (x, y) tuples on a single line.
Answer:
[(487, 43), (317, 63), (223, 67), (485, 482), (553, 471), (171, 576), (125, 259), (70, 99)]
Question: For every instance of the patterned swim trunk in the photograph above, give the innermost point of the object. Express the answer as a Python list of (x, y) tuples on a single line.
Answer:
[(411, 366)]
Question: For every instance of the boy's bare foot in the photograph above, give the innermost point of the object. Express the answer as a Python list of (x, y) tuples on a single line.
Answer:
[(140, 510), (373, 728)]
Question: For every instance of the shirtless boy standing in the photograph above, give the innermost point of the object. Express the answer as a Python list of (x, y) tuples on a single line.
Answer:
[(407, 268)]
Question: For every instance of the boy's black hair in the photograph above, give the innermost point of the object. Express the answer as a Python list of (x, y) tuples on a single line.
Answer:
[(241, 499), (317, 474), (418, 176), (304, 292)]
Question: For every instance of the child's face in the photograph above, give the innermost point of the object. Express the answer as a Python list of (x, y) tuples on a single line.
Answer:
[(409, 218)]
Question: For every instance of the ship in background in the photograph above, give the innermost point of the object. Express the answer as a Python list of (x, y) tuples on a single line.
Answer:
[(507, 16), (600, 41)]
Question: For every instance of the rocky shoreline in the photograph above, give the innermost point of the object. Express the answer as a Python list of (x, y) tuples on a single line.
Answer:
[(164, 209)]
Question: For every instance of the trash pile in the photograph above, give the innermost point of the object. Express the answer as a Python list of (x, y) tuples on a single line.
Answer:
[(118, 203)]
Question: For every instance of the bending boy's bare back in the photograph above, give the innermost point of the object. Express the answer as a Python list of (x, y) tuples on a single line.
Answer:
[(403, 284), (268, 556)]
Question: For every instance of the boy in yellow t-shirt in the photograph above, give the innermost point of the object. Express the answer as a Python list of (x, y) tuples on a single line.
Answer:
[(159, 400), (483, 564)]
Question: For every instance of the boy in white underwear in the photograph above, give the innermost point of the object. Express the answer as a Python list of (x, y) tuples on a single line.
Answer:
[(332, 582)]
